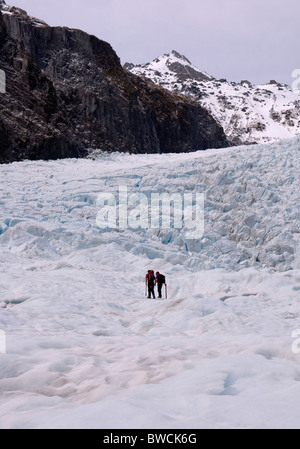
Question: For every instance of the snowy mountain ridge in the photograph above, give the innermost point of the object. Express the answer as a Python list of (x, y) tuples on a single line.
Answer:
[(248, 113)]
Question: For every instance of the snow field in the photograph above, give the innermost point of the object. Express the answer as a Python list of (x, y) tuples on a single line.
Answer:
[(86, 349)]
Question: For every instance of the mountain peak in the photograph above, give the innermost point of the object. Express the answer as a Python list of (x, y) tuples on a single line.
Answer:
[(174, 65), (247, 113), (180, 56)]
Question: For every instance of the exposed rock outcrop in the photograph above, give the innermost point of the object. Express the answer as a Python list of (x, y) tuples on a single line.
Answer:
[(67, 94)]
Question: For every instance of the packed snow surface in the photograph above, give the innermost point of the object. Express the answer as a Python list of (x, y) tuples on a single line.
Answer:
[(82, 347)]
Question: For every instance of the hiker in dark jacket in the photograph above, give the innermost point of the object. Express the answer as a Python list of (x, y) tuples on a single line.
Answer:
[(160, 281)]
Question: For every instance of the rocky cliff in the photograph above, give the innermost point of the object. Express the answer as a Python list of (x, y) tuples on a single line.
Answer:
[(67, 94)]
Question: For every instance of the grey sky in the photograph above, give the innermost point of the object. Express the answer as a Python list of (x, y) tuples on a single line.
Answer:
[(234, 39)]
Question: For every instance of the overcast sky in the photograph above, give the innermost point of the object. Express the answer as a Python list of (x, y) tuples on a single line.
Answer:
[(256, 40)]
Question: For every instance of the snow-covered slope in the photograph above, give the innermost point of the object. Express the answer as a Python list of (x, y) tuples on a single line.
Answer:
[(248, 113), (85, 349)]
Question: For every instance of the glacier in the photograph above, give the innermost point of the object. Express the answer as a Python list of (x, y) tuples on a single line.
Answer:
[(84, 348)]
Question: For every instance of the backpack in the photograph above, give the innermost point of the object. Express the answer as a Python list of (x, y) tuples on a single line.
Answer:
[(151, 277), (162, 278)]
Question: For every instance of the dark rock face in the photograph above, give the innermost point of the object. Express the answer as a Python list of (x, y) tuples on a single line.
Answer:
[(184, 70), (67, 93)]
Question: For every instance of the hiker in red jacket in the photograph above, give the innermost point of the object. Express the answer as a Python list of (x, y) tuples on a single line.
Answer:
[(150, 282)]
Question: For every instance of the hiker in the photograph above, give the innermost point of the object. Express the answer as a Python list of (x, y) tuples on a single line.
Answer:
[(150, 281), (160, 281)]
